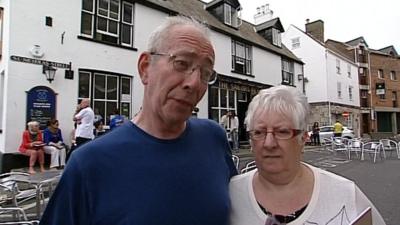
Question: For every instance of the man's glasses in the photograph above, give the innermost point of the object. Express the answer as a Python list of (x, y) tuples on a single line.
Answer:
[(186, 66), (281, 134)]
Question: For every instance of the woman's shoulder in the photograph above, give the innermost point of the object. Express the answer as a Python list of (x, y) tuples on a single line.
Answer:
[(330, 178)]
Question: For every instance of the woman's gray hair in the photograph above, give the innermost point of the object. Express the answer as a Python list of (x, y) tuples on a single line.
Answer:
[(280, 99), (159, 37), (32, 124)]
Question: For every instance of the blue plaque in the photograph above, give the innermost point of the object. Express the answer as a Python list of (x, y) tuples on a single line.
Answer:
[(41, 105)]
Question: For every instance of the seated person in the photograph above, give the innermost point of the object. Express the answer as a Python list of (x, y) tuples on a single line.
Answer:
[(98, 128), (116, 120), (32, 146), (54, 144)]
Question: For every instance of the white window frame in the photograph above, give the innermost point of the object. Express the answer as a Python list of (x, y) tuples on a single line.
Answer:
[(131, 24), (351, 93), (92, 15), (287, 72), (349, 70), (276, 37), (339, 90), (227, 107), (393, 75), (295, 42), (109, 18), (337, 66), (380, 74), (227, 14)]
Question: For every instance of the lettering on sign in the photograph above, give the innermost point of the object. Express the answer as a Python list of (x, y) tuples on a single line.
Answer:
[(40, 62)]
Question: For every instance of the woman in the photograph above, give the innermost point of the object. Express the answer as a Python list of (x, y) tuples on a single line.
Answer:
[(315, 134), (283, 190), (32, 146), (54, 144)]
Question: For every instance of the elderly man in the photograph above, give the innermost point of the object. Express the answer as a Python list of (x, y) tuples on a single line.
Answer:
[(162, 168), (84, 119)]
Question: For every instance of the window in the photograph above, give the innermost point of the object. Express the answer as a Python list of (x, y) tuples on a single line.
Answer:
[(231, 16), (364, 93), (296, 43), (111, 22), (228, 14), (349, 70), (382, 96), (380, 74), (361, 71), (394, 96), (287, 72), (393, 75), (107, 92), (339, 90), (221, 101), (1, 32), (337, 66), (241, 58), (276, 37), (350, 93)]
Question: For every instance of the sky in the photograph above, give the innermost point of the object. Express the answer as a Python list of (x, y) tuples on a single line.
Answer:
[(377, 21)]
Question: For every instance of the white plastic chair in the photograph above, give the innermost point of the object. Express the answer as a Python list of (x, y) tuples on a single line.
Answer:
[(10, 190), (249, 166), (390, 145), (236, 161), (354, 145), (340, 145), (374, 148)]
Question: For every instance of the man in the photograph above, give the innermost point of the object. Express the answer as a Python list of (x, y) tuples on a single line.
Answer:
[(337, 129), (231, 124), (84, 119), (161, 168)]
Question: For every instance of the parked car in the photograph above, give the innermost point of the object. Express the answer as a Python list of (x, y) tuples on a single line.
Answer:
[(327, 132)]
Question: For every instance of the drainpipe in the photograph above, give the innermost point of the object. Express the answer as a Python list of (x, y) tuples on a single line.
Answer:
[(327, 88)]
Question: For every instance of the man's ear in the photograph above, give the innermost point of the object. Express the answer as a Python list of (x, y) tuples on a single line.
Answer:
[(143, 66)]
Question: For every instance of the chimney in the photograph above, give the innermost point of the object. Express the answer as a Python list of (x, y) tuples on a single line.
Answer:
[(263, 14), (315, 29)]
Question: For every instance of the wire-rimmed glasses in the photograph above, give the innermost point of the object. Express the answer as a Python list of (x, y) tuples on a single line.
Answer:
[(186, 66)]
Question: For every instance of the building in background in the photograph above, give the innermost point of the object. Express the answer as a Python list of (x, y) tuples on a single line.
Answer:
[(64, 51)]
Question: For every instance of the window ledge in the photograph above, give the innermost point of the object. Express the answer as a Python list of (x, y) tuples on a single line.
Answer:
[(106, 43), (247, 75)]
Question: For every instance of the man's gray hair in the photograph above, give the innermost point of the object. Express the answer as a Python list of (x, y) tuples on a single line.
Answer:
[(160, 35), (280, 99)]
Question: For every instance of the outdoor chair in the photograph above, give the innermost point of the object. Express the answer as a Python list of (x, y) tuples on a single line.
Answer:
[(31, 222), (249, 166), (16, 213), (340, 145), (327, 143), (374, 148), (354, 145), (236, 161), (10, 190), (390, 145)]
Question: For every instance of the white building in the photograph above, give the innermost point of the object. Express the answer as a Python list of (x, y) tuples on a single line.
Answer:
[(332, 87), (94, 46)]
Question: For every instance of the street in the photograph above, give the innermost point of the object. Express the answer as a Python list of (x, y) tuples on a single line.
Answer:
[(380, 181)]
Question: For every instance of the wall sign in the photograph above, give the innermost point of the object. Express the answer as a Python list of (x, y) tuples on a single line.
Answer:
[(40, 62), (41, 105)]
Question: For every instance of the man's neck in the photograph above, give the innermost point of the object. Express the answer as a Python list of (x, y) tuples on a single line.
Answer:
[(157, 128)]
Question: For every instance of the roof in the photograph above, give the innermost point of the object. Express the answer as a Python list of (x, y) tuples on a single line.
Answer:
[(234, 3), (340, 48), (196, 9), (275, 23), (357, 41), (390, 50)]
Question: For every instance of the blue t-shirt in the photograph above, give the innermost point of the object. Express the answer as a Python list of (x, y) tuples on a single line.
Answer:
[(130, 177), (48, 136)]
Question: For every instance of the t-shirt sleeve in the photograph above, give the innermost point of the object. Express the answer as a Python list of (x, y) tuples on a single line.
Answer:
[(69, 203), (362, 202)]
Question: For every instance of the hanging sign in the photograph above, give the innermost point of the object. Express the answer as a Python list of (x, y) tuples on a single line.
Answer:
[(40, 62), (41, 105)]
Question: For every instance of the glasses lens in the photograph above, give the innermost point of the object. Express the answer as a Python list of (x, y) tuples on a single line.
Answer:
[(283, 133)]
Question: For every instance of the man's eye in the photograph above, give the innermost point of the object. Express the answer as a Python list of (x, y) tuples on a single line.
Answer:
[(181, 65), (283, 131)]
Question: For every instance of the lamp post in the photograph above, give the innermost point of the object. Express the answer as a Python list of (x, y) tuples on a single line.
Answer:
[(49, 72)]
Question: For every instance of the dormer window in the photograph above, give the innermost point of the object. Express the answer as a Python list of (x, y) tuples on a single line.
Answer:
[(276, 37), (271, 30), (227, 11)]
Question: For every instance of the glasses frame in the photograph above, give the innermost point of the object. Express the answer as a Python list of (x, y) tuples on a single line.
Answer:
[(214, 74), (295, 132)]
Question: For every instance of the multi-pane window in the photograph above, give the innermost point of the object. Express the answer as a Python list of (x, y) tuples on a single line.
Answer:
[(109, 21), (339, 90), (221, 101), (350, 93), (296, 43), (393, 75), (228, 14), (241, 57), (276, 37), (337, 66), (349, 70), (380, 74), (287, 72), (108, 92)]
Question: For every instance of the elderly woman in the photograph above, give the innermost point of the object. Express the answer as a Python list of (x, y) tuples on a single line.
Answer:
[(32, 146), (284, 190), (54, 144)]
